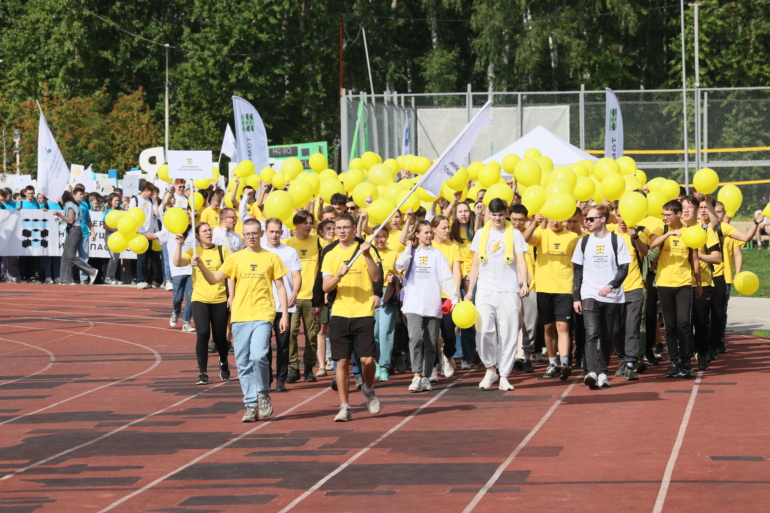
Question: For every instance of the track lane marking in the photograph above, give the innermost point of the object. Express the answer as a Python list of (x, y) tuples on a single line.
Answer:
[(51, 360)]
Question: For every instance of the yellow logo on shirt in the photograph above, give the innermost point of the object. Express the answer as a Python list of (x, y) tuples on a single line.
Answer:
[(599, 250), (495, 247), (423, 260)]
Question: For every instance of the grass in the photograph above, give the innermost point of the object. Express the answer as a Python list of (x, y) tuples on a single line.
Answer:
[(760, 333), (758, 262)]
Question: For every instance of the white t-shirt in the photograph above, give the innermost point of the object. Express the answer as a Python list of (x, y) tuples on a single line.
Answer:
[(290, 259), (181, 201), (169, 239), (285, 234), (600, 267), (231, 240), (422, 288), (494, 274), (146, 204)]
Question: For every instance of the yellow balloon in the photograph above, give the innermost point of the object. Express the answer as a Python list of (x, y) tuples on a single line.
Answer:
[(449, 194), (412, 201), (425, 195), (632, 184), (114, 216), (473, 170), (627, 165), (329, 188), (589, 165), (253, 182), (244, 168), (419, 165), (117, 242), (369, 159), (641, 176), (706, 181), (555, 186), (393, 165), (746, 283), (579, 169), (406, 183), (655, 183), (356, 164), (655, 202), (509, 163), (473, 192), (498, 190), (312, 179), (318, 162), (380, 174), (127, 226), (532, 153), (202, 183), (670, 188), (279, 181), (380, 209), (545, 178), (392, 191), (598, 197), (301, 191), (489, 175), (534, 199), (266, 175), (613, 186), (731, 197), (363, 191), (633, 208), (546, 164), (353, 178), (464, 315), (279, 204), (459, 181), (139, 244), (559, 207), (156, 246), (176, 220), (198, 201), (163, 175), (584, 189), (564, 173), (527, 172), (605, 166), (137, 213), (292, 167), (326, 174), (214, 174), (694, 236), (496, 165)]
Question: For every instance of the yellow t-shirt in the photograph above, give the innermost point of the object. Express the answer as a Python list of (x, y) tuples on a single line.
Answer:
[(465, 252), (394, 241), (712, 243), (451, 251), (727, 231), (211, 216), (202, 290), (254, 273), (388, 260), (634, 279), (308, 255), (355, 291), (653, 226), (730, 245), (674, 269), (553, 266)]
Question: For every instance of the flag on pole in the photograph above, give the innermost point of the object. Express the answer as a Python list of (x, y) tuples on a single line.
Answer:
[(362, 129), (229, 146), (406, 146), (613, 127), (52, 172), (250, 134), (451, 160)]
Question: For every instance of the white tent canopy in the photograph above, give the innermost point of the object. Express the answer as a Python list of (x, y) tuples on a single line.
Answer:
[(550, 145)]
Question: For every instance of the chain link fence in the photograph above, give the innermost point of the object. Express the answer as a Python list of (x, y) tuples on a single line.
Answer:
[(728, 129)]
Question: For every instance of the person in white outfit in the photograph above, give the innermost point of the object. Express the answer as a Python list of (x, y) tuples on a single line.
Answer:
[(224, 234), (501, 272), (427, 273)]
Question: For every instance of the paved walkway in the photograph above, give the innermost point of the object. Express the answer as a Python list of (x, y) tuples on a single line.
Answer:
[(746, 314)]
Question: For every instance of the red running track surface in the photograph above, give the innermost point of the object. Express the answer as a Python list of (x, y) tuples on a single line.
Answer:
[(99, 412)]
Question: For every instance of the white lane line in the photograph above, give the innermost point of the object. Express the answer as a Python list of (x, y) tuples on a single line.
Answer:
[(677, 446), (51, 360), (78, 299), (168, 330), (155, 364), (517, 450), (34, 301), (206, 455), (106, 435), (366, 449)]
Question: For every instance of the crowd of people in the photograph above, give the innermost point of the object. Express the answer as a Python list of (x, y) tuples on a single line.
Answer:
[(568, 295)]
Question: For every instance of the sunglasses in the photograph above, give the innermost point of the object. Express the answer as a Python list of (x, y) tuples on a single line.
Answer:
[(592, 219)]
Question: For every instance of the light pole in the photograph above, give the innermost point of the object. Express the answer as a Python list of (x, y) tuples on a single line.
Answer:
[(4, 156), (16, 141), (684, 107), (166, 153), (698, 130)]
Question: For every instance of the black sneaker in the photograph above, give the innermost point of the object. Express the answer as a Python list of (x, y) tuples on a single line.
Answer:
[(714, 354), (527, 367), (400, 365), (686, 370), (565, 373), (518, 365), (660, 349), (280, 387), (621, 370), (640, 367), (334, 384), (293, 375), (224, 371), (203, 379), (551, 371), (629, 373), (359, 383), (674, 371), (212, 347), (309, 377), (702, 362), (231, 350), (722, 349)]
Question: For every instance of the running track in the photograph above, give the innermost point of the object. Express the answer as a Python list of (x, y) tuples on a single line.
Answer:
[(98, 412)]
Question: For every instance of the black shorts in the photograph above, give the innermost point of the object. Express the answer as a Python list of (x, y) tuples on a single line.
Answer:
[(554, 307), (347, 333)]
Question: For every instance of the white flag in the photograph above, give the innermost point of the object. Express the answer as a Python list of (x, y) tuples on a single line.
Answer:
[(229, 146), (250, 133), (87, 180), (406, 147), (52, 172), (613, 127), (451, 160)]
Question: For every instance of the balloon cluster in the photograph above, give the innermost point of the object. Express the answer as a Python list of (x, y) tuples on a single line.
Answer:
[(126, 224)]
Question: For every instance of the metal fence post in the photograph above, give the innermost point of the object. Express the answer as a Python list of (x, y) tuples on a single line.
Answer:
[(344, 130), (413, 129), (387, 125), (582, 117), (697, 129), (705, 125), (469, 115), (520, 115), (361, 133)]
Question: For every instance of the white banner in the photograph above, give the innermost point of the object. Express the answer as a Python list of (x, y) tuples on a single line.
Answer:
[(452, 159), (189, 165), (229, 146), (22, 181), (103, 184), (52, 171), (36, 233), (250, 134), (613, 127)]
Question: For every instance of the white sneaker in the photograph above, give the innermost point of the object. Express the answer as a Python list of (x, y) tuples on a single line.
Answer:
[(603, 381), (143, 285), (169, 286), (174, 318), (434, 375), (48, 281), (416, 385), (465, 366), (187, 328), (504, 385), (329, 364), (57, 281), (426, 384), (449, 367), (94, 276), (489, 379), (590, 380)]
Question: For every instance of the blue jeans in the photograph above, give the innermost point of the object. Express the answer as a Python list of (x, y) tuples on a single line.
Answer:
[(166, 265), (251, 341), (183, 290), (143, 266), (83, 248), (384, 332)]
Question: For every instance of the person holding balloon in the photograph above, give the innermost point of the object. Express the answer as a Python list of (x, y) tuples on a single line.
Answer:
[(464, 225), (145, 202), (427, 273), (113, 203)]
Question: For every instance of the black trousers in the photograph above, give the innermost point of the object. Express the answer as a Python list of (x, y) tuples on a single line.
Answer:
[(281, 350), (579, 331), (701, 315), (447, 327), (676, 304), (651, 313), (718, 302), (28, 266), (210, 321), (601, 323)]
